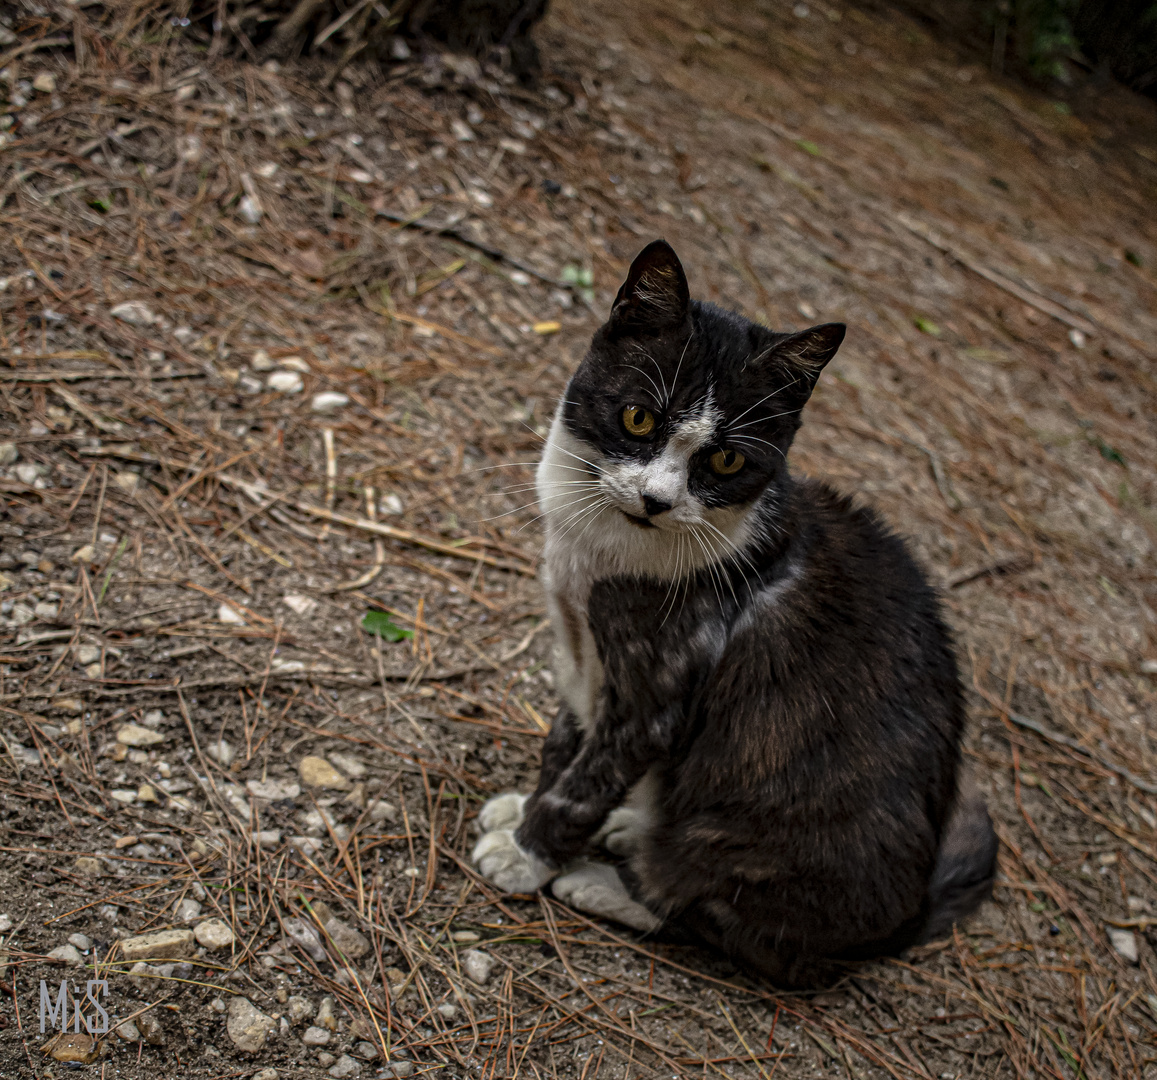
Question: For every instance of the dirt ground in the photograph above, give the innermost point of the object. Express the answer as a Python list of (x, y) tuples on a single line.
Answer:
[(190, 536)]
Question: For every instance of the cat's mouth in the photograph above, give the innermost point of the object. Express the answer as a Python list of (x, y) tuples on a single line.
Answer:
[(641, 522)]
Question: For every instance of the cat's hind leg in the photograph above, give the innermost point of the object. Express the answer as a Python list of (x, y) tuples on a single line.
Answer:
[(623, 831), (502, 812), (597, 889)]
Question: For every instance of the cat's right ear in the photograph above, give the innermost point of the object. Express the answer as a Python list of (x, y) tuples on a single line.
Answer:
[(655, 296)]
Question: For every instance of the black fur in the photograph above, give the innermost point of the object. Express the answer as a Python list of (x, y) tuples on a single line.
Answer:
[(800, 703)]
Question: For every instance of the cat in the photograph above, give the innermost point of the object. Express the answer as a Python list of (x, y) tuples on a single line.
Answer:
[(761, 711)]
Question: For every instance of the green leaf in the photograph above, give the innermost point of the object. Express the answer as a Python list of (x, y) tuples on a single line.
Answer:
[(926, 326), (1109, 454), (380, 623), (808, 147), (573, 274)]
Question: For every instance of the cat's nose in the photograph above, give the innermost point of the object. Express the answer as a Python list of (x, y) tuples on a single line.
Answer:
[(654, 507)]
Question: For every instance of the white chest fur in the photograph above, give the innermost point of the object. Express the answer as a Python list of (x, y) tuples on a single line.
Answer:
[(589, 538)]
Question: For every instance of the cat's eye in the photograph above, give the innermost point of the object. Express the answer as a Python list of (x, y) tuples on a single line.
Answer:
[(638, 421), (726, 462)]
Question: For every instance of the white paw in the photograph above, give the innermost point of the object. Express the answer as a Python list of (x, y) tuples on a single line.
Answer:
[(623, 831), (502, 812), (597, 889), (501, 861)]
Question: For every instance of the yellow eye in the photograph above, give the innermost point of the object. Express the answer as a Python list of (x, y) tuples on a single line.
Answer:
[(638, 421), (726, 462)]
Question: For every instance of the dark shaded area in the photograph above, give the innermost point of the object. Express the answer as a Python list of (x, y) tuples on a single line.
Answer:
[(1052, 39), (493, 30)]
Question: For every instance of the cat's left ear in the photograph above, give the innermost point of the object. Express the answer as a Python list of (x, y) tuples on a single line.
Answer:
[(806, 354), (655, 296)]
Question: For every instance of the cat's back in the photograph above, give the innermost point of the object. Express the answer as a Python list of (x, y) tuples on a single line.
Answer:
[(840, 656)]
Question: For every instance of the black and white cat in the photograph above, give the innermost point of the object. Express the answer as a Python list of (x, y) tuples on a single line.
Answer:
[(760, 703)]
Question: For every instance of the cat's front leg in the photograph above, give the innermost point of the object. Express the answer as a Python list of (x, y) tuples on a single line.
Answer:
[(498, 855), (561, 820)]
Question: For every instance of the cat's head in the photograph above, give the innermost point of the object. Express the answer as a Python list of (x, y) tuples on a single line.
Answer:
[(680, 416)]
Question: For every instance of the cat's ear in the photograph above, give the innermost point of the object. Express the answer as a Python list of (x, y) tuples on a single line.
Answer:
[(655, 296), (805, 354)]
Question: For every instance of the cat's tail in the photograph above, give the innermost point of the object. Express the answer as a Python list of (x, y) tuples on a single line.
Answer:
[(965, 866)]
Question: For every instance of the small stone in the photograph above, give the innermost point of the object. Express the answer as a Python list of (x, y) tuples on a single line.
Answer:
[(44, 83), (353, 944), (84, 554), (477, 965), (8, 454), (27, 474), (462, 130), (357, 796), (380, 811), (69, 954), (92, 671), (214, 934), (1149, 667), (325, 1059), (260, 361), (46, 610), (250, 209), (217, 1005), (229, 615), (152, 718), (87, 654), (21, 615), (135, 735), (294, 363), (162, 945), (273, 790), (1125, 942), (186, 910), (72, 1046), (350, 765), (392, 505), (5, 581), (5, 923), (307, 845), (129, 1032), (329, 401), (346, 1066), (86, 864), (265, 1074), (124, 796), (465, 936), (301, 933), (221, 752), (299, 1008), (402, 1069), (326, 1017), (151, 1029), (301, 605), (146, 793), (80, 941), (136, 312), (127, 481), (285, 382), (248, 1026), (367, 1051), (315, 1036), (268, 838), (317, 772)]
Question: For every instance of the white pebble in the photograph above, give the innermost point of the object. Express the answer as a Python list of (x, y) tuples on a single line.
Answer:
[(136, 312), (329, 401), (285, 382)]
